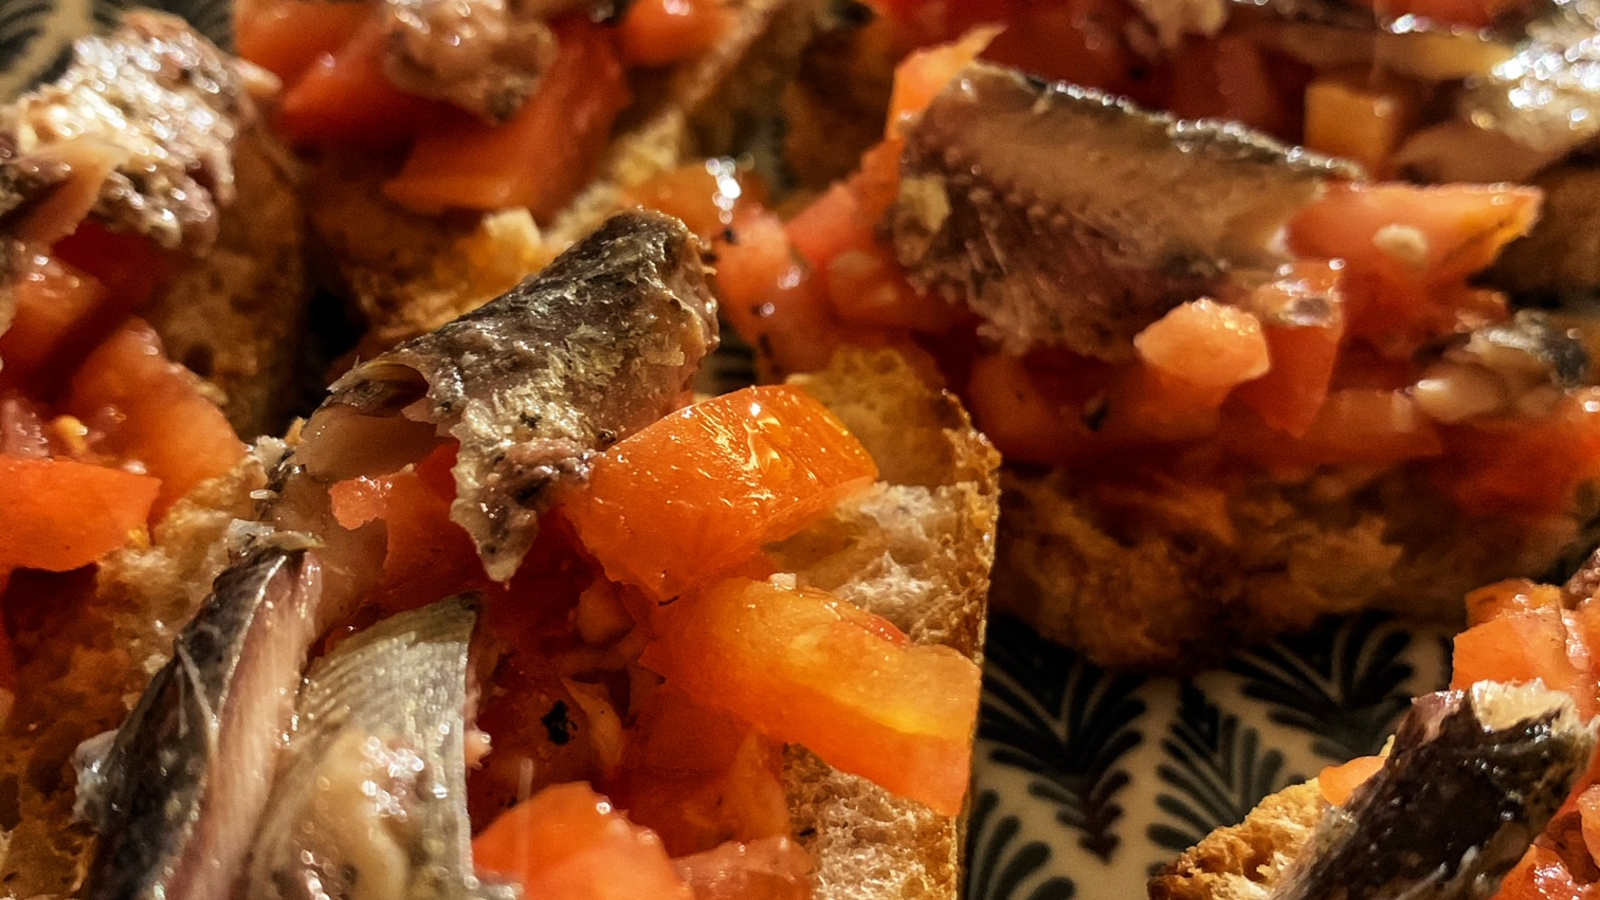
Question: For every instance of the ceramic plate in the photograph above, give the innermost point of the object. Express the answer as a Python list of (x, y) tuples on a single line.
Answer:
[(1086, 781)]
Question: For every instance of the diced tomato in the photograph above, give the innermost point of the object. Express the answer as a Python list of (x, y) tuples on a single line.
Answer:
[(56, 323), (1407, 251), (359, 500), (1543, 875), (429, 557), (59, 514), (833, 224), (131, 266), (567, 843), (1208, 345), (1190, 359), (1520, 466), (774, 868), (700, 491), (772, 299), (923, 74), (154, 412), (1031, 413), (1081, 41), (699, 776), (539, 736), (286, 37), (702, 194), (543, 156), (1353, 426), (1302, 317), (1339, 782), (662, 32), (1524, 646), (344, 100), (869, 286), (1509, 597), (1588, 804), (807, 668)]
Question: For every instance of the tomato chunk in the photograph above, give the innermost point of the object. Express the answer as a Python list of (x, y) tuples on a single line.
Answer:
[(662, 32), (1302, 318), (1339, 782), (56, 323), (807, 668), (286, 37), (155, 412), (1524, 646), (1407, 248), (567, 843), (542, 157), (700, 491), (344, 100), (59, 514)]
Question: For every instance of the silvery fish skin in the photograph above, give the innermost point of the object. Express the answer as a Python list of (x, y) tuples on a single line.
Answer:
[(1472, 778), (535, 384), (191, 768), (371, 803), (1063, 216)]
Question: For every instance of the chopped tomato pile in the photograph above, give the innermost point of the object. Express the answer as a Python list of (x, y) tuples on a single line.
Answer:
[(1246, 72), (1321, 365), (100, 433), (652, 663), (330, 55)]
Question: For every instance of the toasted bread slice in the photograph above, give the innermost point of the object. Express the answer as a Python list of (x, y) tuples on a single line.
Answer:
[(914, 550), (404, 274)]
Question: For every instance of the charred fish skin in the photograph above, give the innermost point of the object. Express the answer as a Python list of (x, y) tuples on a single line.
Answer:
[(372, 799), (1064, 216), (604, 341), (1472, 778), (194, 759)]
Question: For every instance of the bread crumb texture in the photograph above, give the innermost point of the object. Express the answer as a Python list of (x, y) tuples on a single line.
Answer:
[(916, 548)]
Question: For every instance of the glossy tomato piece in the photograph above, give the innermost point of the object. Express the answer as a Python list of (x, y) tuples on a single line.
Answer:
[(345, 101), (1524, 646), (286, 37), (59, 514), (700, 491), (154, 413), (568, 843), (58, 320), (805, 667), (1302, 318), (1408, 250), (662, 32), (543, 156), (1522, 466)]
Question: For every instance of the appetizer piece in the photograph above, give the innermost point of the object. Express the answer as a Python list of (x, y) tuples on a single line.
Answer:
[(142, 182), (1471, 778), (1451, 816), (457, 147), (1239, 387), (541, 456), (146, 217)]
